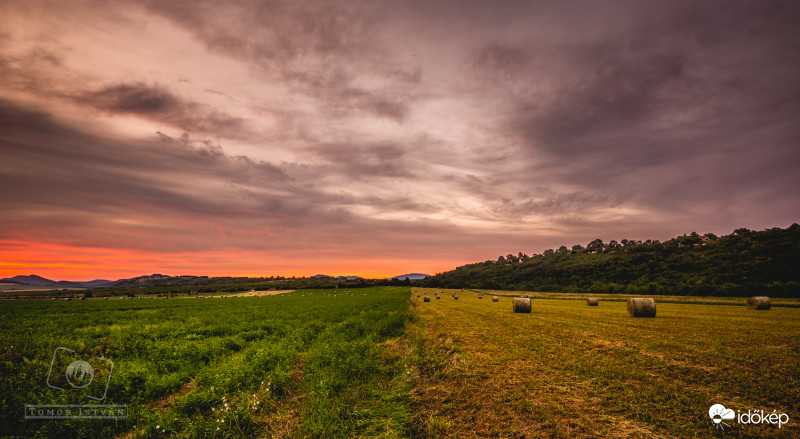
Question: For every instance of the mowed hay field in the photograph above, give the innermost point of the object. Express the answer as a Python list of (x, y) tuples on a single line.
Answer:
[(571, 370)]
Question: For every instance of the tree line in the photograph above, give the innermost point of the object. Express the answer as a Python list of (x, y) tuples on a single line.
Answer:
[(744, 263), (199, 285)]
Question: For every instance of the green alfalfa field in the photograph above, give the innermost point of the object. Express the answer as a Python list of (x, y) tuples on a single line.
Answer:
[(309, 363), (380, 362)]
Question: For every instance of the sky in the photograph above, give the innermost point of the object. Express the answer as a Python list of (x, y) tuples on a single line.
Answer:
[(375, 138)]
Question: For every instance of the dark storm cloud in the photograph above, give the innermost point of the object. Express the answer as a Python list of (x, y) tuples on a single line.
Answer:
[(161, 105), (51, 165), (362, 101), (209, 158), (34, 70), (273, 33), (338, 97), (549, 204), (356, 161), (614, 94), (83, 180), (316, 47), (41, 71), (684, 106), (134, 98)]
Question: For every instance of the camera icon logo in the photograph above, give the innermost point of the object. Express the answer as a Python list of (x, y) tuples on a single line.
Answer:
[(68, 371), (80, 374)]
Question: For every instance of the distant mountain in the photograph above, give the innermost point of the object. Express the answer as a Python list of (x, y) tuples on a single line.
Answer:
[(411, 276), (145, 278), (141, 280), (31, 279), (99, 283), (162, 281), (44, 282)]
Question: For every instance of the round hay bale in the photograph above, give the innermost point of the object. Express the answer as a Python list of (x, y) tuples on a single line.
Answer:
[(480, 296), (495, 299), (522, 304), (455, 297), (592, 301), (642, 307), (426, 299), (759, 302), (437, 297)]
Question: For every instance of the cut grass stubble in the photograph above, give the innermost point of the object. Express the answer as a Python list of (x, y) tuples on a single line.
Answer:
[(567, 370)]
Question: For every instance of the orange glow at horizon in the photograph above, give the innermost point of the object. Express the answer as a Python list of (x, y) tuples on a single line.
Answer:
[(74, 263)]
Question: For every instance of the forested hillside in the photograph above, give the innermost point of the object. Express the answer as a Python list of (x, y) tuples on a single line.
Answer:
[(743, 263)]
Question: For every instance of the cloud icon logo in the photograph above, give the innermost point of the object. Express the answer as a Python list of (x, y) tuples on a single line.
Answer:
[(719, 414)]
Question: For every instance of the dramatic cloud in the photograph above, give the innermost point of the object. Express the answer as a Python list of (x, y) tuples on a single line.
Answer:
[(160, 105), (271, 137)]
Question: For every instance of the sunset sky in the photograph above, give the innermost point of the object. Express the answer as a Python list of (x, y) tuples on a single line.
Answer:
[(376, 138)]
